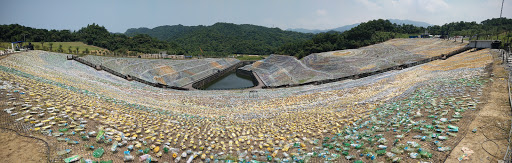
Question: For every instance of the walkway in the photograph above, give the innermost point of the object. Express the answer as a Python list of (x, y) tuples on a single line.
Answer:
[(492, 122), (260, 82)]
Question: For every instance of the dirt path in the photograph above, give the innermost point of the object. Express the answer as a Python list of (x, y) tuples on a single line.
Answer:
[(489, 143), (4, 56), (20, 149), (260, 82), (15, 148)]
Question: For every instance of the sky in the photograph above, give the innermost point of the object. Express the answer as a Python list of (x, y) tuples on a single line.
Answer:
[(120, 15)]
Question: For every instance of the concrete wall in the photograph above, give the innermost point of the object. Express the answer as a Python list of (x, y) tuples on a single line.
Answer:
[(362, 75), (202, 82), (249, 74), (492, 44), (127, 77)]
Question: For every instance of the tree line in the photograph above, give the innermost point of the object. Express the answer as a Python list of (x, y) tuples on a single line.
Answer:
[(223, 39), (492, 26), (376, 31), (91, 35), (368, 33)]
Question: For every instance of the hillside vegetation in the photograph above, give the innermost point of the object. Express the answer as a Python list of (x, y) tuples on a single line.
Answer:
[(223, 38), (63, 47), (93, 34), (487, 27), (376, 31)]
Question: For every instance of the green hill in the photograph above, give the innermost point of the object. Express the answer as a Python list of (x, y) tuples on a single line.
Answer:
[(223, 38), (376, 31)]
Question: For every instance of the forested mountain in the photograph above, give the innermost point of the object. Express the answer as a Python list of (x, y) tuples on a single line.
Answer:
[(16, 32), (348, 27), (364, 34), (411, 22), (99, 36), (224, 38), (486, 27), (92, 35), (303, 30), (376, 31), (163, 33)]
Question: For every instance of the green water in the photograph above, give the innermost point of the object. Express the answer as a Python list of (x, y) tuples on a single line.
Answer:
[(230, 81)]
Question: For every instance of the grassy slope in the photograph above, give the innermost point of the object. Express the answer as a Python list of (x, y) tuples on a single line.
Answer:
[(250, 58), (4, 45), (65, 45)]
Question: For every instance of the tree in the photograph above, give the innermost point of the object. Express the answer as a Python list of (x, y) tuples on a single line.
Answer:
[(364, 34), (42, 45), (51, 46), (86, 51), (60, 48), (77, 50), (69, 50)]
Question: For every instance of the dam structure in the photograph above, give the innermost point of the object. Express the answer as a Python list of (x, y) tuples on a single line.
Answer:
[(163, 73), (278, 71)]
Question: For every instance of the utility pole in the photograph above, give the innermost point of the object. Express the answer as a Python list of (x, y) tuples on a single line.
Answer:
[(501, 12), (501, 7)]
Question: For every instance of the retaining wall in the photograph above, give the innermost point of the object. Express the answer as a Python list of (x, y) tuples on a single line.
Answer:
[(366, 74), (202, 82), (249, 74), (127, 77), (199, 84)]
